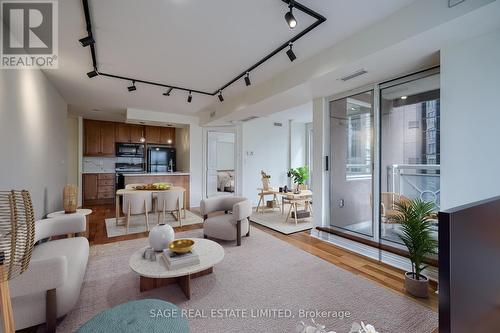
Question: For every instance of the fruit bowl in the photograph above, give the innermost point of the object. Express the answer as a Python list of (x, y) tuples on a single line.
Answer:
[(181, 245)]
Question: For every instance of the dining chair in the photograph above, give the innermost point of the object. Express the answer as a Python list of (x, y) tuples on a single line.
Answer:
[(171, 201), (137, 203)]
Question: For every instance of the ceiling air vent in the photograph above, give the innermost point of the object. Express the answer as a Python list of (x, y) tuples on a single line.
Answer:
[(353, 75), (278, 124), (249, 118)]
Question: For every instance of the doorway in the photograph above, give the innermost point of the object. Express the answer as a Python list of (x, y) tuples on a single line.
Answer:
[(221, 163)]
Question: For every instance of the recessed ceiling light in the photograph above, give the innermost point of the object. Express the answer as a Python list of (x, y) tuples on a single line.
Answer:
[(404, 97)]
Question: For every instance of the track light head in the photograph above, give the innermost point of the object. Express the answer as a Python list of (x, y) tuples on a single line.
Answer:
[(86, 41), (247, 79), (168, 92), (190, 97), (220, 96), (92, 74), (132, 87), (290, 53), (289, 18)]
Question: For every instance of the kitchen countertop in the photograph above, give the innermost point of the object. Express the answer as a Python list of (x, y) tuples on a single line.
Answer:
[(177, 173)]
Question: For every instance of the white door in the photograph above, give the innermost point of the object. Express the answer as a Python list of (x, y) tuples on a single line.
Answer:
[(212, 164)]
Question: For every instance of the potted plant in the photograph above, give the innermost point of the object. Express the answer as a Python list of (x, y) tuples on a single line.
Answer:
[(299, 175), (414, 217)]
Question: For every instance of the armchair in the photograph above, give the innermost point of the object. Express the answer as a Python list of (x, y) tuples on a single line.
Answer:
[(50, 287), (229, 226)]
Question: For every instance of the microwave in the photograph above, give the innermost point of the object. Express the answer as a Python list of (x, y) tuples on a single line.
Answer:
[(130, 150)]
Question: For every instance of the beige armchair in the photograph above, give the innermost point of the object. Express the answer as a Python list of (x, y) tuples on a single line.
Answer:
[(232, 224)]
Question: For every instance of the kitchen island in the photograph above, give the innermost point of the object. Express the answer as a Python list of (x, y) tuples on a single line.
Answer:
[(175, 178)]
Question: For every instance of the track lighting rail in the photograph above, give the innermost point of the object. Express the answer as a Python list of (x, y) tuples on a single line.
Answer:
[(89, 41)]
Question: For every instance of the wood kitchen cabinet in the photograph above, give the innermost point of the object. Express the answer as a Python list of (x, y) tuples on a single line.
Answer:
[(153, 134), (89, 187), (99, 138), (167, 135), (122, 133), (128, 133), (98, 188), (136, 133)]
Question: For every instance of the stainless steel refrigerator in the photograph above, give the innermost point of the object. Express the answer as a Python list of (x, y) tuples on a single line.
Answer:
[(161, 159)]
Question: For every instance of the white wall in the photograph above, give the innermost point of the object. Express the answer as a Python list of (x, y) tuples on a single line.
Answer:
[(33, 127), (297, 144), (470, 120), (265, 147), (72, 151)]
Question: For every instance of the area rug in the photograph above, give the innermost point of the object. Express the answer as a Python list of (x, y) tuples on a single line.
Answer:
[(138, 224), (273, 219), (276, 282)]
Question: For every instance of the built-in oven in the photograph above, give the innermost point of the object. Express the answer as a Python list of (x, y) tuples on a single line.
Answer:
[(130, 150)]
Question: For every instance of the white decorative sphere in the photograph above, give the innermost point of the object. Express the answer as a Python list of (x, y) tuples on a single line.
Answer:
[(160, 236)]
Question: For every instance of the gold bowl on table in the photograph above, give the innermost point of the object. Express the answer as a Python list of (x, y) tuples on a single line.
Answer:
[(181, 245)]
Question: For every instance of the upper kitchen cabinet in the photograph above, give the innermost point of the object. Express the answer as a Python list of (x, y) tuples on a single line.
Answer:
[(128, 133), (136, 133), (153, 134), (99, 138), (167, 135), (122, 133)]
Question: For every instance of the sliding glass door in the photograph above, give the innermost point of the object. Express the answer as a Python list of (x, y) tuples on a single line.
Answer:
[(410, 148), (351, 145), (384, 148)]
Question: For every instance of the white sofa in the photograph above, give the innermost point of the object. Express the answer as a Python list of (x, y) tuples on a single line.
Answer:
[(51, 285), (232, 224)]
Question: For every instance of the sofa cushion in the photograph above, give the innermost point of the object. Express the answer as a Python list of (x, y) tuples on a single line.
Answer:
[(30, 310), (223, 227)]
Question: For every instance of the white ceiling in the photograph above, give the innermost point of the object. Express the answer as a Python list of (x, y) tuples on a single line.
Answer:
[(197, 44)]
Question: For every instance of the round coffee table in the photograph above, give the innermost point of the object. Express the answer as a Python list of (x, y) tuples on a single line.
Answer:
[(83, 211), (154, 274)]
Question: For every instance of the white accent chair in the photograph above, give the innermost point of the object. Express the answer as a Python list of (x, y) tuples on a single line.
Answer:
[(232, 224), (50, 287), (136, 203), (170, 201)]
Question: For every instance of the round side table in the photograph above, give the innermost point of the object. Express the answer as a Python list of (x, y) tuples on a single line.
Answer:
[(83, 211)]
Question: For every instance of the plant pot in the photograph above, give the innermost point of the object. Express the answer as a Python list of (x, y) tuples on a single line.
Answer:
[(302, 187), (418, 288)]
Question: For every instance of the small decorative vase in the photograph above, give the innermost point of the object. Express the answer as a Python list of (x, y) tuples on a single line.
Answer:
[(70, 199), (265, 184), (160, 236)]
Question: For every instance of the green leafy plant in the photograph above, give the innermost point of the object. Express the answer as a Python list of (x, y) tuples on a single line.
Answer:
[(414, 217), (299, 175)]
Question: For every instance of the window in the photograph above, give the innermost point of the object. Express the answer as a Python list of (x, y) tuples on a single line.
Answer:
[(359, 144)]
